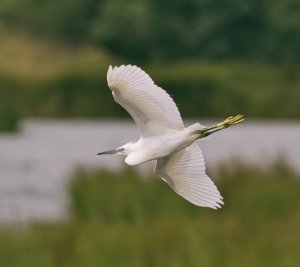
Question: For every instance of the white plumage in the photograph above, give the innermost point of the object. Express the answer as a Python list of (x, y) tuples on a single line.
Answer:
[(163, 136), (152, 108), (184, 171)]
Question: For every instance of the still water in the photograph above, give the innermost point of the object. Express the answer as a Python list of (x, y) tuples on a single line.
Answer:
[(35, 164)]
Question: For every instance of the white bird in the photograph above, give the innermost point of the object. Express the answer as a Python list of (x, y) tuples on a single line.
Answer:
[(164, 138)]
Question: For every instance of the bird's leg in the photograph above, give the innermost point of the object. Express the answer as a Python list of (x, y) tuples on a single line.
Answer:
[(230, 121)]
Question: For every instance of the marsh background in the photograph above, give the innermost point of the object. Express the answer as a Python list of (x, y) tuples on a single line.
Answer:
[(215, 59)]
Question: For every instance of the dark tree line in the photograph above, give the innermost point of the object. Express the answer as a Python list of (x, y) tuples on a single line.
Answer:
[(256, 30)]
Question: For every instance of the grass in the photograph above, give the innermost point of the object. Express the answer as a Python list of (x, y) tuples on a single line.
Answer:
[(118, 219)]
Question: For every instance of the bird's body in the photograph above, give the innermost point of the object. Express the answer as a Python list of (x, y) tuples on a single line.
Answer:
[(163, 136), (159, 146)]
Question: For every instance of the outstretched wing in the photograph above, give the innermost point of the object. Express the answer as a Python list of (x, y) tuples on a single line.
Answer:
[(184, 171), (151, 107)]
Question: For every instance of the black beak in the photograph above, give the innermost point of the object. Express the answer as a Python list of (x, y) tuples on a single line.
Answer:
[(109, 152), (114, 151)]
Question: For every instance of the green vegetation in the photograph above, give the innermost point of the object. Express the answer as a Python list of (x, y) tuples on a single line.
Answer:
[(43, 78), (9, 118), (143, 30), (118, 219), (215, 59), (220, 89)]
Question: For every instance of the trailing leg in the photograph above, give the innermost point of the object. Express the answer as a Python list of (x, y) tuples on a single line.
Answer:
[(230, 121)]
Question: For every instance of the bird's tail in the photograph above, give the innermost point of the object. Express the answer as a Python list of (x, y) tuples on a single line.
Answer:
[(230, 121)]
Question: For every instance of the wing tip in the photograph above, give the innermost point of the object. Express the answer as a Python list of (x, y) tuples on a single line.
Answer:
[(217, 204), (204, 200)]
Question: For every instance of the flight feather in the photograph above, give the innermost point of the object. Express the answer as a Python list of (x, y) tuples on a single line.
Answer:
[(184, 171), (151, 107)]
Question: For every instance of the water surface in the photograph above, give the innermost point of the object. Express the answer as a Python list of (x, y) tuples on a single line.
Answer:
[(35, 164)]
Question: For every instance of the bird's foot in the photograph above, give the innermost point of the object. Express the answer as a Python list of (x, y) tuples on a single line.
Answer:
[(230, 121)]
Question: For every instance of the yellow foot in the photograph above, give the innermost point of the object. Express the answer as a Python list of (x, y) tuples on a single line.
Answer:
[(230, 121)]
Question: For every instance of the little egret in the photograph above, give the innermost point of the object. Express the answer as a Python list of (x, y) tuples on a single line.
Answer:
[(163, 136)]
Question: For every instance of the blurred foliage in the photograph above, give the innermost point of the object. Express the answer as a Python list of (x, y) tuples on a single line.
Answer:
[(215, 59), (45, 78), (215, 89), (118, 219), (9, 118), (256, 30)]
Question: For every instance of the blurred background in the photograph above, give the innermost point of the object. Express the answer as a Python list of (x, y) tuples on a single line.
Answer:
[(61, 205)]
